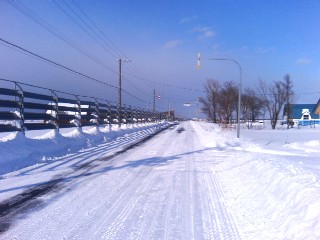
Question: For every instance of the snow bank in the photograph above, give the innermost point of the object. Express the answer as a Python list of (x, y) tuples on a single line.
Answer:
[(270, 178), (277, 192), (19, 151), (279, 199)]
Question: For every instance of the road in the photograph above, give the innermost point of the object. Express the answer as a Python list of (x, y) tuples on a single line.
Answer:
[(165, 188)]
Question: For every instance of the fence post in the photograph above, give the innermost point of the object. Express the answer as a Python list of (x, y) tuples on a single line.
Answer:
[(21, 101), (135, 117), (131, 115), (126, 114), (56, 107), (79, 112), (96, 104), (109, 117)]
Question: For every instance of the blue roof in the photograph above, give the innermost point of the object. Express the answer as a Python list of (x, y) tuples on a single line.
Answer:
[(296, 110)]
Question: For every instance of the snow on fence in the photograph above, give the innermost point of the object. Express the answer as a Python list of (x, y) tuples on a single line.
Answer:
[(308, 122), (22, 110)]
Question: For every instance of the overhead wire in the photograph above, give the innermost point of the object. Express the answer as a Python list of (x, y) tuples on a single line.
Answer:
[(135, 71), (12, 45), (131, 95), (29, 13), (33, 16), (114, 48), (105, 38), (55, 63), (83, 28), (167, 85), (131, 67), (110, 44), (134, 86)]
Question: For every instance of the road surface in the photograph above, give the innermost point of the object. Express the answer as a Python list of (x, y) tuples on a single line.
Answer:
[(165, 188)]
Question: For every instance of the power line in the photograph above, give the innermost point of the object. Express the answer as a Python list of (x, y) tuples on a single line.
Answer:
[(309, 93), (139, 99), (94, 36), (54, 63), (135, 87), (110, 44), (66, 68), (275, 94), (33, 16), (134, 70), (131, 66), (29, 13), (83, 28), (167, 85)]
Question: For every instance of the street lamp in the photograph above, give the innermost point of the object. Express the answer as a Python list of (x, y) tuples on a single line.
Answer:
[(240, 84)]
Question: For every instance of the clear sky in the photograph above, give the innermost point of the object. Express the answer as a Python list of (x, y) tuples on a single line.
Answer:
[(161, 39)]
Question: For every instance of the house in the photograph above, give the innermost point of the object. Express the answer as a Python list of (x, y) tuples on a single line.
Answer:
[(316, 109), (301, 114)]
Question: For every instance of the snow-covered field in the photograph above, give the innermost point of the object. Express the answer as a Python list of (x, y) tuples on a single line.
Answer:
[(192, 181), (271, 180)]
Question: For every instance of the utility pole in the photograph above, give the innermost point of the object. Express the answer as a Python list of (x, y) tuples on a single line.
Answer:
[(169, 109), (119, 93), (288, 108), (154, 100), (197, 109), (120, 60)]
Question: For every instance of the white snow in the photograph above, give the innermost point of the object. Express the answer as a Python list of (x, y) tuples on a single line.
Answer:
[(18, 151), (273, 182), (201, 183)]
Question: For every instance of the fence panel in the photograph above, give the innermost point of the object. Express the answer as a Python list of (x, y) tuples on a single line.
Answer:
[(26, 110)]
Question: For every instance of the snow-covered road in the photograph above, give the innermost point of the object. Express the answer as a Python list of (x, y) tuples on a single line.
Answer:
[(191, 181), (160, 190)]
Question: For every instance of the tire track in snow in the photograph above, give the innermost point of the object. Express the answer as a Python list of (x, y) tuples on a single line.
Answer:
[(56, 226), (217, 222), (155, 197), (116, 198), (170, 193), (208, 211), (117, 229), (168, 207), (188, 191), (103, 205), (112, 196), (75, 211), (224, 225), (126, 201)]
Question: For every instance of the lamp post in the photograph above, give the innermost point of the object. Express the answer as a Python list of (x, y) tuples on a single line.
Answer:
[(240, 84)]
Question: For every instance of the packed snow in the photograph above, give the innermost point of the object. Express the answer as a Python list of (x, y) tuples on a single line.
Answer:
[(194, 180)]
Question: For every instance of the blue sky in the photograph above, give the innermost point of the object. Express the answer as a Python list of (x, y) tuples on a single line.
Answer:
[(161, 39)]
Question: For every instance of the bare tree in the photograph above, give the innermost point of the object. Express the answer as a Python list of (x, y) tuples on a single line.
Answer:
[(252, 106), (274, 97), (210, 103), (228, 100), (288, 85)]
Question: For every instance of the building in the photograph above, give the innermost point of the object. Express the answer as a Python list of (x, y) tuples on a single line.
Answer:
[(316, 109), (169, 115), (302, 114)]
